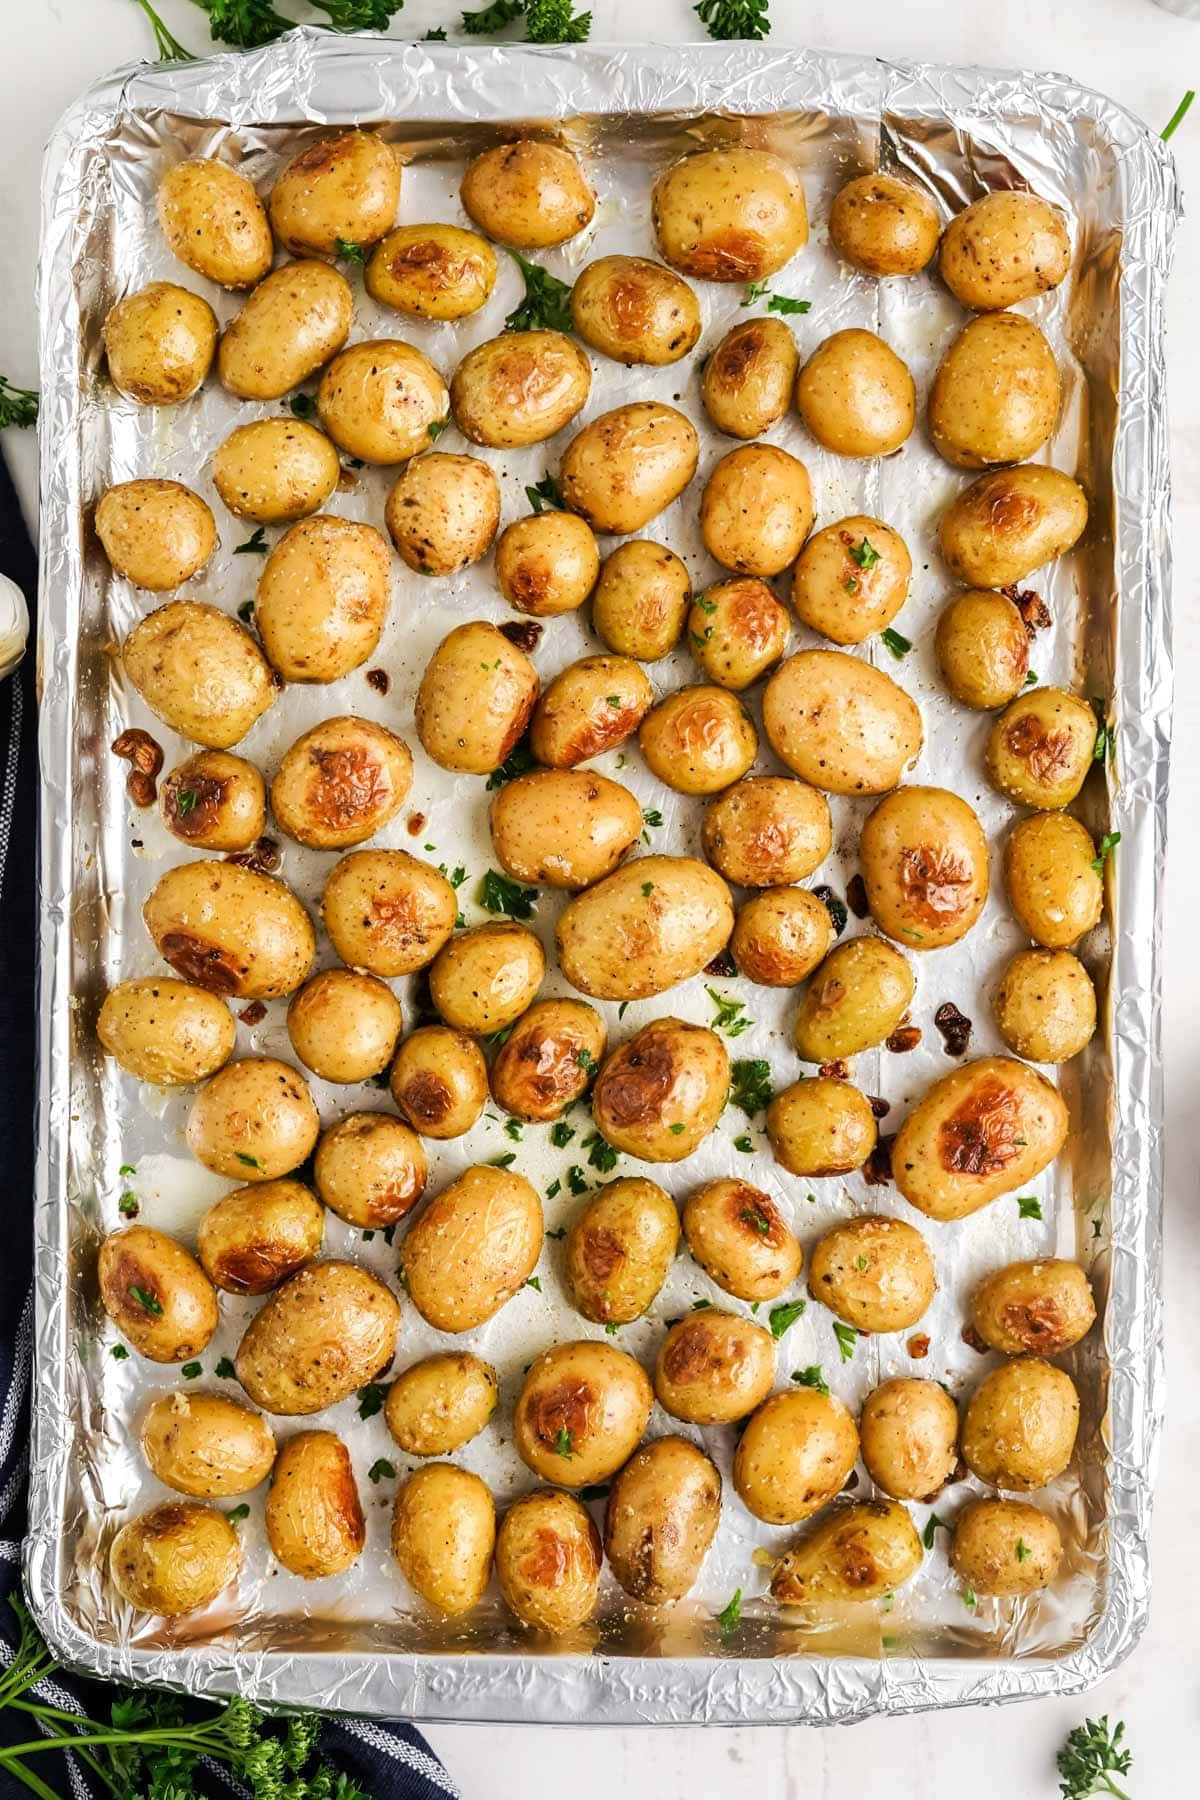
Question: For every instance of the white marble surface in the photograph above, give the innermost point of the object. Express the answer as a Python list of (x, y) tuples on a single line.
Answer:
[(1145, 58)]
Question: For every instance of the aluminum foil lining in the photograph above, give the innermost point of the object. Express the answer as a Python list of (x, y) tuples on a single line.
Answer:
[(363, 1642)]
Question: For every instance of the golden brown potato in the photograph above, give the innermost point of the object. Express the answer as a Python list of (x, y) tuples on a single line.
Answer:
[(206, 1445), (714, 1367), (443, 1536), (437, 1405), (640, 600), (214, 222), (794, 1456), (387, 912), (343, 189), (737, 630), (839, 723), (472, 1247), (199, 672), (821, 1126), (864, 1550), (214, 801), (329, 1330), (590, 707), (548, 1561), (741, 1240), (156, 1295), (1041, 747), (732, 214), (253, 1121), (581, 1412), (443, 512), (1004, 248), (432, 271), (439, 1081), (634, 310), (520, 388), (290, 326), (883, 225), (748, 380), (856, 396), (158, 534), (619, 1249), (698, 740), (909, 1432), (566, 828), (757, 510), (159, 342), (344, 1026), (314, 1518), (275, 470), (780, 936), (852, 579), (1045, 1006), (529, 195), (370, 1169), (627, 465), (322, 598), (996, 394), (340, 783), (377, 400), (986, 1128), (547, 564), (1019, 1427), (874, 1272), (475, 699), (230, 930), (253, 1238), (1010, 522), (546, 1062), (484, 978), (1005, 1547), (767, 830), (855, 1000), (982, 648), (1039, 1307), (174, 1558), (651, 923), (164, 1031), (924, 860), (1054, 886), (660, 1094), (662, 1514)]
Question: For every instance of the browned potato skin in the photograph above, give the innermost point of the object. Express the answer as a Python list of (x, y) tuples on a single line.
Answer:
[(1053, 888), (731, 214), (698, 740), (1039, 1308), (226, 804), (640, 600), (443, 512), (341, 783), (290, 326), (344, 1026), (205, 1445), (1045, 1006), (437, 1405), (996, 394), (924, 860), (485, 977), (714, 1367), (909, 1433), (875, 1272), (253, 1121), (378, 399), (737, 630), (767, 831), (370, 1169), (662, 1514), (326, 1332), (548, 1561), (252, 1239), (839, 723), (543, 1067), (780, 935), (757, 510), (883, 225), (387, 912), (231, 930), (199, 672), (214, 222), (165, 1031), (832, 591), (314, 1517), (634, 310), (856, 396), (862, 1551), (465, 723), (575, 719), (982, 648), (1004, 248), (794, 1456), (443, 1536), (564, 828), (472, 1247), (988, 1127), (1041, 747), (159, 1268), (1010, 522), (619, 1249), (593, 1392), (275, 470), (855, 1000), (547, 564), (628, 465), (660, 1094), (432, 271), (748, 380), (158, 534), (1019, 1427), (529, 195), (345, 187), (821, 1127), (159, 341), (653, 922), (741, 1240), (520, 388), (439, 1081), (174, 1558), (322, 599), (984, 1549)]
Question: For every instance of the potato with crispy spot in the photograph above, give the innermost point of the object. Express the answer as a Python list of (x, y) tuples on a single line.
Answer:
[(996, 394), (822, 1126), (206, 1445), (591, 706), (329, 1330), (529, 195), (344, 1025), (714, 1367), (484, 978), (748, 380), (1005, 1548), (662, 1514), (741, 1240), (439, 1081), (387, 912), (982, 648), (379, 399), (314, 1518), (175, 1558), (1039, 1308), (874, 1272), (731, 214), (566, 828), (214, 801), (1004, 248), (290, 326), (634, 310), (253, 1121), (1054, 886), (851, 579), (794, 1456), (698, 740), (548, 1058), (437, 1405), (275, 470), (547, 564), (253, 1238), (840, 724), (987, 1128), (780, 935), (864, 1550), (475, 699), (856, 999), (856, 396), (581, 1412), (443, 1536), (158, 534), (156, 1295), (164, 1031), (520, 388), (1045, 1006), (472, 1247), (924, 861), (653, 922), (1041, 747), (443, 512), (370, 1169), (641, 600), (200, 672), (340, 783), (548, 1561), (214, 222), (1019, 1427), (767, 830), (884, 225), (159, 341), (230, 930), (619, 1250), (322, 599), (757, 510), (342, 189), (626, 466), (1010, 522), (737, 630), (434, 271), (909, 1433), (659, 1095)]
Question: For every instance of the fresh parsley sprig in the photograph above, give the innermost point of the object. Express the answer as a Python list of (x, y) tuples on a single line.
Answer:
[(547, 302), (18, 406), (246, 24), (169, 48), (1090, 1758), (728, 19)]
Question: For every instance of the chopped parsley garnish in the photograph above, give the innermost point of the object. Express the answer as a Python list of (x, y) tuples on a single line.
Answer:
[(846, 1337), (236, 1514), (302, 406), (601, 1155), (561, 1134), (251, 1162), (128, 1206), (503, 1161), (512, 1129), (146, 1301), (349, 251), (781, 1318), (728, 1017), (497, 894), (190, 1371), (744, 1143), (1023, 1551), (255, 545), (896, 642), (1108, 844), (119, 1353), (812, 1377), (546, 493), (547, 302), (226, 1370), (381, 1469), (576, 1179), (1029, 1206), (751, 1089), (932, 1526), (865, 554), (756, 1220), (370, 1399), (730, 1617), (562, 1443), (518, 762)]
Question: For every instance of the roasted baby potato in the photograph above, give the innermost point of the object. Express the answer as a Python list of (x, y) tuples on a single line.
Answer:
[(158, 534), (1004, 248), (174, 1558), (821, 1126), (253, 1238), (370, 1169), (437, 1405), (634, 310), (732, 214), (748, 380), (794, 1456), (314, 1518), (159, 342), (590, 707), (641, 599), (874, 1272), (581, 1412), (660, 1094), (757, 510), (322, 598), (862, 1551), (855, 1000), (737, 630), (214, 222), (443, 1536), (475, 699), (1041, 747), (1038, 1308), (982, 648), (484, 978), (432, 271), (547, 564), (548, 1561), (1054, 886), (439, 1081), (780, 936), (520, 388), (924, 860), (565, 828), (546, 1062), (253, 1121), (1018, 1430), (996, 394), (529, 195), (290, 326), (852, 579), (714, 1367), (627, 465), (341, 783), (156, 1295), (698, 740), (839, 723), (1005, 1547), (387, 912), (443, 512), (214, 801), (472, 1247), (883, 225), (651, 923), (741, 1240), (164, 1031), (205, 1445), (377, 400), (200, 672), (986, 1128), (1010, 522), (767, 830), (856, 396), (909, 1433), (230, 930), (1045, 1006), (275, 470), (662, 1514), (340, 190), (329, 1330), (344, 1026), (619, 1249)]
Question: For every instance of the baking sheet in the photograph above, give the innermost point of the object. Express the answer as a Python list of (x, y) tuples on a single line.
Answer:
[(362, 1641)]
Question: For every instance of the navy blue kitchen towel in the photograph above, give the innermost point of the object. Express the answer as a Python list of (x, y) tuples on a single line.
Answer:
[(387, 1761)]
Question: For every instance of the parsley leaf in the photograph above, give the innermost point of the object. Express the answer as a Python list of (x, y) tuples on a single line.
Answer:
[(724, 19), (846, 1337), (812, 1377), (1108, 844), (547, 302), (728, 1014), (349, 251), (561, 1134), (255, 545), (546, 494), (1091, 1756), (226, 1370), (865, 554), (781, 1318), (896, 642), (932, 1526), (146, 1301), (381, 1468), (518, 762), (190, 1371), (497, 894), (730, 1617), (601, 1155), (751, 1089), (1029, 1206), (563, 1445), (370, 1399)]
